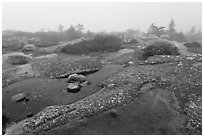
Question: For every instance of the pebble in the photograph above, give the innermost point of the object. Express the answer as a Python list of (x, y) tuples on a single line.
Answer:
[(131, 63), (18, 97), (30, 114), (111, 85), (84, 84)]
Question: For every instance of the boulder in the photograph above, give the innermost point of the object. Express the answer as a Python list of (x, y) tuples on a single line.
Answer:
[(72, 78), (73, 87), (18, 97), (81, 78), (76, 78)]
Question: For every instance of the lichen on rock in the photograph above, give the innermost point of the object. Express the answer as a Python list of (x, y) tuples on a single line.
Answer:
[(178, 77)]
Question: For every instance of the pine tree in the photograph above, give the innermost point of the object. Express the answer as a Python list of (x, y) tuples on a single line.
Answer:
[(60, 27), (171, 27)]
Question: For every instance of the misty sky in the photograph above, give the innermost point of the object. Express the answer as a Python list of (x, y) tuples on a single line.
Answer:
[(101, 16)]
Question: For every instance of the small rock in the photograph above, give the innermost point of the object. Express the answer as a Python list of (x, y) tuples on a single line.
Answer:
[(111, 85), (35, 97), (131, 63), (18, 97), (8, 80), (62, 76), (101, 85), (125, 65), (37, 75), (64, 91), (30, 114), (84, 84), (88, 82), (73, 87)]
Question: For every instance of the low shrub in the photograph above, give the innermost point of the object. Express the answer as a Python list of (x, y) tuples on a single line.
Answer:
[(12, 46), (160, 48), (133, 41), (138, 55), (44, 43), (193, 45), (99, 43), (29, 48), (18, 60)]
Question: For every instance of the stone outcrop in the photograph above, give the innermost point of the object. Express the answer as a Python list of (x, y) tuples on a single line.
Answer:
[(172, 91)]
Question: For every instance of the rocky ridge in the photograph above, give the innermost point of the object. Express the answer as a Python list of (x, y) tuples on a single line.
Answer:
[(178, 76)]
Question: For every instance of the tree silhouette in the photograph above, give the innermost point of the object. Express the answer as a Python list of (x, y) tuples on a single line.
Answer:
[(171, 27), (192, 30), (155, 30), (80, 27), (60, 27)]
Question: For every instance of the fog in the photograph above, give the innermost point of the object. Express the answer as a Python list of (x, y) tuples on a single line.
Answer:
[(101, 16)]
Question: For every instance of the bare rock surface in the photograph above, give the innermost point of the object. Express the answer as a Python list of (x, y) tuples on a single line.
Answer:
[(151, 98), (52, 67), (49, 92)]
